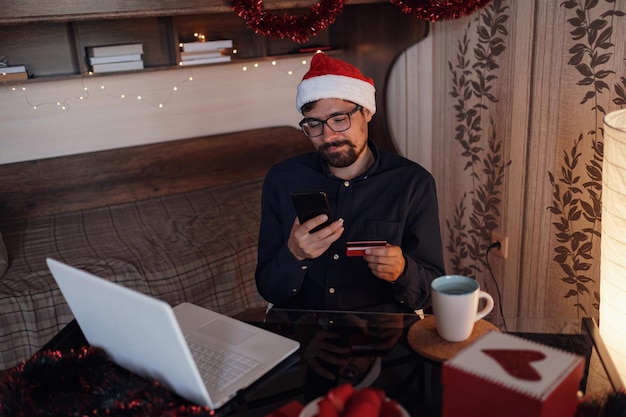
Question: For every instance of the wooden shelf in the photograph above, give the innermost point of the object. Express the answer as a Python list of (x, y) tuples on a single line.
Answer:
[(49, 37), (33, 11), (57, 49)]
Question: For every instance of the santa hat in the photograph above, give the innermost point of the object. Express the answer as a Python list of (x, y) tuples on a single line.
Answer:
[(332, 78)]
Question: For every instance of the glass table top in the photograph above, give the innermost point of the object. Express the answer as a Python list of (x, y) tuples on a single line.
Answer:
[(371, 349)]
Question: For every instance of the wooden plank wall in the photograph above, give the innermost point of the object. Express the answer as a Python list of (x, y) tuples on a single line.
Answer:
[(221, 98), (548, 133)]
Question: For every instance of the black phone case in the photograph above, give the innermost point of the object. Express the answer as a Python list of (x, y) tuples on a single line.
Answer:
[(309, 204)]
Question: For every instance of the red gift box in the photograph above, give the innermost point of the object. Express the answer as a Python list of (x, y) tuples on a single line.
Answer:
[(504, 375)]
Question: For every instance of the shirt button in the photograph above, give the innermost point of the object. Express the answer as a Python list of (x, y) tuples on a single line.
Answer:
[(346, 183), (335, 256), (294, 290), (331, 290), (304, 267)]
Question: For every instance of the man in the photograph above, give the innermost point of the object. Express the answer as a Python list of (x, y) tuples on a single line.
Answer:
[(373, 195)]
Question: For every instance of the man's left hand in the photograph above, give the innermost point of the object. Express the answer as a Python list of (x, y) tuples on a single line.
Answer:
[(386, 262)]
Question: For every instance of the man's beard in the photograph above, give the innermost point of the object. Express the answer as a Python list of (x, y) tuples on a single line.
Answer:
[(339, 159)]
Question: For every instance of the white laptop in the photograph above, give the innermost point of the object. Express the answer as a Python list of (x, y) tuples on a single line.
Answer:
[(148, 337)]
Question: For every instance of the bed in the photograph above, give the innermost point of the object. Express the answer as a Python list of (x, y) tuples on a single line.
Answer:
[(177, 220)]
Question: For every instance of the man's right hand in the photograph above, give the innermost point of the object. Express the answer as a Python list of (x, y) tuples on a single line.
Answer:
[(304, 245)]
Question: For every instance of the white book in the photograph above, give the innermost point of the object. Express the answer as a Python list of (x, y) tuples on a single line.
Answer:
[(117, 66), (114, 58), (224, 58), (207, 46), (111, 50), (201, 55), (12, 69)]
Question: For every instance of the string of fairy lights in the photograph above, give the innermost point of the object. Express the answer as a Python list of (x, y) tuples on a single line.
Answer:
[(106, 85), (65, 102)]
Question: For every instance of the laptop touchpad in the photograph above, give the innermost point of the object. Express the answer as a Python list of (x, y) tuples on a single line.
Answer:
[(226, 332)]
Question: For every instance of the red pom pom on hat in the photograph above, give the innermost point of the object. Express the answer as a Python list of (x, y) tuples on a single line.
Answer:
[(332, 78)]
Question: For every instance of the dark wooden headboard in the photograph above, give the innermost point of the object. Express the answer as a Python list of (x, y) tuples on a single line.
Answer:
[(55, 185)]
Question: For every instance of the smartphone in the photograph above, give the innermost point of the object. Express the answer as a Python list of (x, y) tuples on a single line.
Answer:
[(309, 204)]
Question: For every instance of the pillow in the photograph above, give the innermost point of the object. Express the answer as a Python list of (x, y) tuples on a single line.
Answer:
[(4, 258)]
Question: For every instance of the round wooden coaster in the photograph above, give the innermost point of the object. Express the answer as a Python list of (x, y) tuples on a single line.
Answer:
[(425, 340)]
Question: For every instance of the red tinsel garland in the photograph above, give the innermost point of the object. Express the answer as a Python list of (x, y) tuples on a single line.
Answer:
[(435, 10), (296, 28), (325, 12), (86, 383)]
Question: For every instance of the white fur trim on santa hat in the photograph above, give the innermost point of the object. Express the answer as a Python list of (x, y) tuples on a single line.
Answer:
[(336, 86)]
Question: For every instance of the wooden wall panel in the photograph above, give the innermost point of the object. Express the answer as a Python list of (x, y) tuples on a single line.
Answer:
[(221, 98), (44, 49), (409, 103), (26, 11), (535, 288), (549, 200), (480, 128)]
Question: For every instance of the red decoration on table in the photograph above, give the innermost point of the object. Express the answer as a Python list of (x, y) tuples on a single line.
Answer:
[(296, 28), (339, 395), (346, 401), (291, 409), (435, 10), (364, 403), (325, 408), (390, 408), (87, 382), (516, 362)]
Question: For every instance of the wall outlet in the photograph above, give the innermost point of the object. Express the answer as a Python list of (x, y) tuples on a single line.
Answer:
[(503, 251)]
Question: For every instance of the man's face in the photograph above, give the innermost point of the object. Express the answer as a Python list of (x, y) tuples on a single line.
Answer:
[(340, 149)]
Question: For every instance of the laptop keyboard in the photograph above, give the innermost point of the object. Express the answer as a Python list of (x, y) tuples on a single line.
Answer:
[(220, 377)]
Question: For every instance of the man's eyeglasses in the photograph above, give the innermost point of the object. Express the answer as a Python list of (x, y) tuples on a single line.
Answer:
[(338, 122)]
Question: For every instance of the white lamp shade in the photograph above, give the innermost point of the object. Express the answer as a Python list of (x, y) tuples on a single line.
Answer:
[(613, 244)]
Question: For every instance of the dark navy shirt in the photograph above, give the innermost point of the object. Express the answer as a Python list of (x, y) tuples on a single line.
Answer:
[(395, 201)]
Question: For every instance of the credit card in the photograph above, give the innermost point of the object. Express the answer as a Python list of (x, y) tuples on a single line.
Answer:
[(358, 248)]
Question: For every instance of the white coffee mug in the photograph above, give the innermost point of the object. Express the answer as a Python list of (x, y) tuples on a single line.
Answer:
[(455, 306)]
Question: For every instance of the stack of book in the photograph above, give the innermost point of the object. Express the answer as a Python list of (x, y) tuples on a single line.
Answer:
[(208, 52), (114, 58), (13, 73)]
